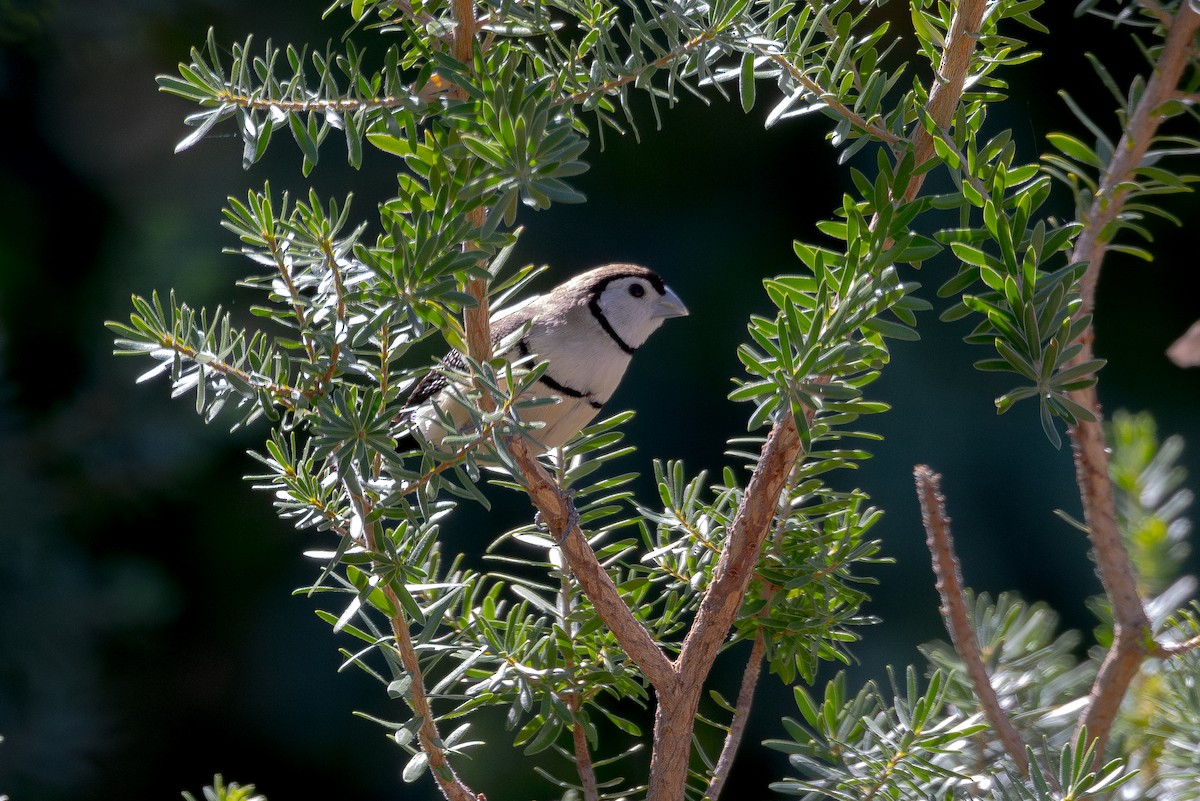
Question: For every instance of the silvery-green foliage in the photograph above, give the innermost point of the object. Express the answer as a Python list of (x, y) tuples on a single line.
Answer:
[(345, 301)]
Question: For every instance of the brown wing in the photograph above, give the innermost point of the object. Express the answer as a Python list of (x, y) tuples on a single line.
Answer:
[(435, 381)]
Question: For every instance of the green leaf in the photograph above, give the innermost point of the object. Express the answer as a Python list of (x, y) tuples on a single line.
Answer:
[(415, 767), (746, 83), (308, 145), (1075, 149)]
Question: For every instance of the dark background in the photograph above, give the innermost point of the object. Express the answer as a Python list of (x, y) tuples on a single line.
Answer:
[(148, 636)]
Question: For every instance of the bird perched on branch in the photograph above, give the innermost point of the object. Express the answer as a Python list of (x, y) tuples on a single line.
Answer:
[(587, 329)]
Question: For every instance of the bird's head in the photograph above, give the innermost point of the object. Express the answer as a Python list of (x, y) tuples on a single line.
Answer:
[(633, 301)]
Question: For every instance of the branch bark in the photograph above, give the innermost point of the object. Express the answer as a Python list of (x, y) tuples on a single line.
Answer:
[(741, 716), (675, 717), (1131, 627), (948, 84), (427, 735), (574, 700), (583, 761), (948, 571), (477, 319), (558, 513)]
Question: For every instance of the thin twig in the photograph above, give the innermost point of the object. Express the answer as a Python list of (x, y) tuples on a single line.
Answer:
[(574, 697), (583, 757), (482, 438), (427, 735), (282, 264), (283, 394), (421, 17), (1169, 650), (949, 584), (1131, 626), (339, 326), (337, 105), (669, 57), (741, 716), (829, 99)]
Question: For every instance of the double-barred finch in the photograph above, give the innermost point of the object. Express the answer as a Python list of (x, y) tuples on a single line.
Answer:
[(587, 329)]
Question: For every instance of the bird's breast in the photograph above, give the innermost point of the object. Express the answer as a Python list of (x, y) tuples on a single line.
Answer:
[(586, 362)]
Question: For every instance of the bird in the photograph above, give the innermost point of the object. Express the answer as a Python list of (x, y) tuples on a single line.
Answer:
[(587, 329)]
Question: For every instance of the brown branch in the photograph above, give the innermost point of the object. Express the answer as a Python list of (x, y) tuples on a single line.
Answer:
[(583, 758), (574, 698), (1155, 9), (948, 83), (741, 716), (427, 735), (558, 513), (954, 610), (735, 565), (1116, 183), (1131, 627), (675, 717), (464, 31), (477, 319)]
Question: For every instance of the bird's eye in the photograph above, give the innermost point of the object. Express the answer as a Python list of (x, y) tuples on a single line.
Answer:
[(637, 290)]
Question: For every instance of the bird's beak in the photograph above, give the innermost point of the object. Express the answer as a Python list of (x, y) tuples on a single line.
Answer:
[(669, 305)]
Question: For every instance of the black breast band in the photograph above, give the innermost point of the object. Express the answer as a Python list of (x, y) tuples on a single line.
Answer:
[(561, 389)]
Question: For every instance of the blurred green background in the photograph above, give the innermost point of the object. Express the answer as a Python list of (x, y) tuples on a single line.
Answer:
[(148, 635)]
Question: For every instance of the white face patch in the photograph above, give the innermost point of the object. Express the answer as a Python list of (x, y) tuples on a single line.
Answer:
[(630, 305)]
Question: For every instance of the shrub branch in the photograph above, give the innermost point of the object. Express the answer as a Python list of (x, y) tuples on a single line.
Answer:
[(1131, 627), (948, 84), (948, 571), (741, 716), (427, 735)]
